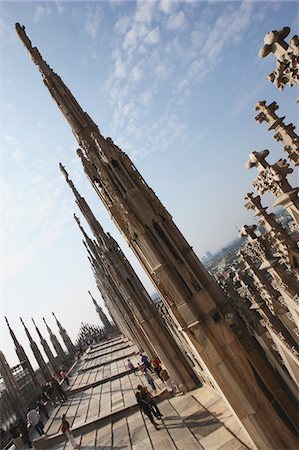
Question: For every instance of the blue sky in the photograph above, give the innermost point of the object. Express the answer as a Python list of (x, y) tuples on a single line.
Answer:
[(175, 85)]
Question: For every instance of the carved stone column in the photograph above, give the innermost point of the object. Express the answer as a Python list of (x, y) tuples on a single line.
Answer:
[(287, 55), (283, 282), (277, 233), (284, 133), (273, 178)]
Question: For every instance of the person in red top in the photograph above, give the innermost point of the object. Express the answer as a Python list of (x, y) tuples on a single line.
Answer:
[(64, 377), (65, 428)]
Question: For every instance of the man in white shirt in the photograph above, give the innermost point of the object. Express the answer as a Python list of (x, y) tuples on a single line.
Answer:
[(33, 419)]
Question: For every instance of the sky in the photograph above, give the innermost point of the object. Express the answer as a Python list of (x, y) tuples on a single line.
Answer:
[(175, 85)]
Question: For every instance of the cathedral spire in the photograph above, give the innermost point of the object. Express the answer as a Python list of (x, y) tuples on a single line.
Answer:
[(37, 354), (95, 226), (197, 304), (13, 336), (56, 344), (23, 358), (66, 102), (48, 351), (65, 337), (102, 315)]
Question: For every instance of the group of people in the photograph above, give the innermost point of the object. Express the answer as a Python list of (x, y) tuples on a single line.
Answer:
[(144, 399), (52, 392), (147, 366)]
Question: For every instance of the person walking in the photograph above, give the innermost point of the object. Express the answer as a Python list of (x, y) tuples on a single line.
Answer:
[(145, 395), (167, 381), (33, 418), (65, 428), (58, 389), (150, 381), (16, 436), (156, 364), (146, 361), (64, 377), (145, 407), (132, 367), (42, 407), (22, 425)]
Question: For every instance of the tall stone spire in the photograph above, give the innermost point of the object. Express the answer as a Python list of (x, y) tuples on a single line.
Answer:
[(12, 387), (107, 325), (138, 336), (65, 337), (56, 344), (197, 304), (23, 358), (37, 354), (132, 290), (47, 350)]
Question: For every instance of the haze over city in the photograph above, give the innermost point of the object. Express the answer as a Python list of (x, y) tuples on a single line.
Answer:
[(175, 85)]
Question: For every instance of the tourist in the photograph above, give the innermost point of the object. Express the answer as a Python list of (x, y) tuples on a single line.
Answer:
[(65, 428), (149, 380), (22, 425), (33, 418), (145, 407), (156, 365), (52, 394), (132, 367), (167, 381), (16, 436), (64, 377), (42, 407), (145, 395), (145, 360), (58, 389)]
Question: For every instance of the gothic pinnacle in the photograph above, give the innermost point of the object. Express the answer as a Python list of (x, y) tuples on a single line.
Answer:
[(16, 342)]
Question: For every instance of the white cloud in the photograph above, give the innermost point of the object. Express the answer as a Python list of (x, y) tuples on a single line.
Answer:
[(122, 25), (92, 21), (152, 37), (167, 6), (40, 12), (146, 98), (136, 72), (137, 32), (144, 11), (119, 67), (60, 8), (176, 20), (162, 71)]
